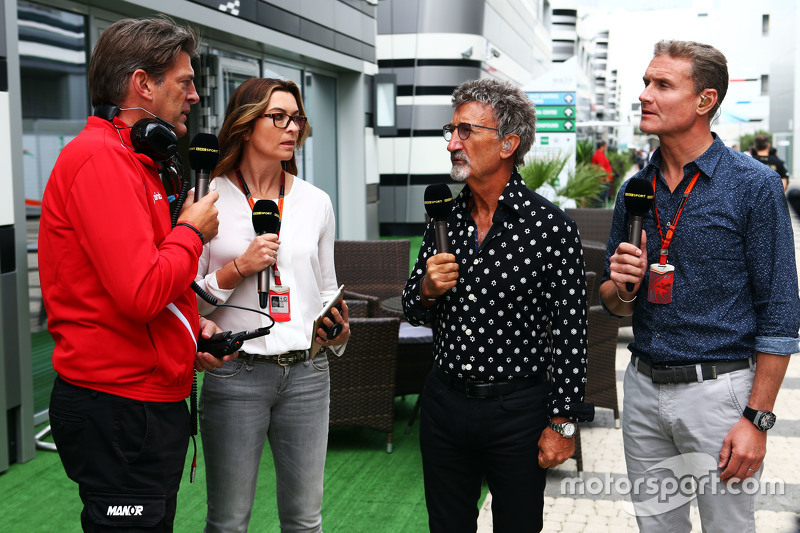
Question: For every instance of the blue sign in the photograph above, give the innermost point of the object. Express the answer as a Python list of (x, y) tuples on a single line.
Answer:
[(553, 98)]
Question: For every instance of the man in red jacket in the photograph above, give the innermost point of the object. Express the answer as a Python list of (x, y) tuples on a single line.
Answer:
[(599, 158), (116, 282)]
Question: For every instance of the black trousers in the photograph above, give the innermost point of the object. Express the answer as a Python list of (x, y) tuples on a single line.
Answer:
[(464, 440), (126, 456)]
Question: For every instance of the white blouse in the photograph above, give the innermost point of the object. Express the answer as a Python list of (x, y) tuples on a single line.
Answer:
[(305, 262)]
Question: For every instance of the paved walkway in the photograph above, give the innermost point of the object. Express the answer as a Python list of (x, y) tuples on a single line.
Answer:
[(603, 461)]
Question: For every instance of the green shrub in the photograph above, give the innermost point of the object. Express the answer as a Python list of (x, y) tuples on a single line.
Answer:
[(620, 162), (537, 172), (585, 185), (584, 150), (746, 141)]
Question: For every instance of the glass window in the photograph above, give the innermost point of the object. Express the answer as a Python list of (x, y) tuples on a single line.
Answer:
[(55, 101), (53, 47)]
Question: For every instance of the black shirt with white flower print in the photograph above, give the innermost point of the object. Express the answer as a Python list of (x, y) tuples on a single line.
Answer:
[(519, 306)]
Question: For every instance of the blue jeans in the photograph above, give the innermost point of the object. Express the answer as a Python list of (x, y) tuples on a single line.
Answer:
[(240, 407)]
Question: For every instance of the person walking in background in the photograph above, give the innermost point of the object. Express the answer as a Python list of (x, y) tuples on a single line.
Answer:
[(506, 305), (600, 159), (763, 151), (119, 303), (716, 314), (641, 159), (276, 389)]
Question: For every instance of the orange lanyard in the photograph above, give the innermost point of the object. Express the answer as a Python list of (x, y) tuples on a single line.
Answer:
[(252, 203), (667, 240), (249, 196)]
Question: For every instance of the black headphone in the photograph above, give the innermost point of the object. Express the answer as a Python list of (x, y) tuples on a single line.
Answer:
[(152, 137)]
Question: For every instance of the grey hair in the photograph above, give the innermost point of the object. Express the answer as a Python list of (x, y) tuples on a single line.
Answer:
[(150, 44), (709, 66), (513, 111)]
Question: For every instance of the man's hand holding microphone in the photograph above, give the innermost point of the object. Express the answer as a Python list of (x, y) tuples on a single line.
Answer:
[(442, 269)]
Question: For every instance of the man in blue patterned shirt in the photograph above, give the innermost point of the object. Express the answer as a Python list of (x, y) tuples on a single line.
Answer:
[(714, 303), (508, 306)]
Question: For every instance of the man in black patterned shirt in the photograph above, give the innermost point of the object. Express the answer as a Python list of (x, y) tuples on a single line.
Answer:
[(508, 308)]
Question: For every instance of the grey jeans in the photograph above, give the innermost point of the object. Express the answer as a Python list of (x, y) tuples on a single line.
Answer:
[(673, 433), (240, 407)]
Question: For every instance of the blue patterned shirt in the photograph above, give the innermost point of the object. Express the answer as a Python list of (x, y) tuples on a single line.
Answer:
[(735, 283), (519, 306)]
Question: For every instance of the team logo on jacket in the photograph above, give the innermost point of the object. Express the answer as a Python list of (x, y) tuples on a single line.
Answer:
[(157, 196)]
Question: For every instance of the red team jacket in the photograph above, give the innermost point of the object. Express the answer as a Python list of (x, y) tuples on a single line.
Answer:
[(115, 277)]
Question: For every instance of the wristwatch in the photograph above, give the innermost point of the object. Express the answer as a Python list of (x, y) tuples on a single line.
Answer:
[(763, 420), (566, 430)]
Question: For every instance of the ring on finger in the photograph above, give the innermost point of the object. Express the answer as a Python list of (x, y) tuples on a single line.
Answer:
[(752, 469)]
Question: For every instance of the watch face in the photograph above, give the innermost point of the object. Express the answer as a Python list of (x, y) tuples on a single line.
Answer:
[(766, 421), (568, 429)]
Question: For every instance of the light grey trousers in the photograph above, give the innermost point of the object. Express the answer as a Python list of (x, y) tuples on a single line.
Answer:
[(673, 435)]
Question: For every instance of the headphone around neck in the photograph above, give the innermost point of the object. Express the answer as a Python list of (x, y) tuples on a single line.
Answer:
[(149, 136)]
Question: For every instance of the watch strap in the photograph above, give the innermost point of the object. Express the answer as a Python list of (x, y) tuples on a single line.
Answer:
[(750, 414)]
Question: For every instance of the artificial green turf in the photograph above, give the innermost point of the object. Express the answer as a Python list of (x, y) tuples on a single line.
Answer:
[(366, 489)]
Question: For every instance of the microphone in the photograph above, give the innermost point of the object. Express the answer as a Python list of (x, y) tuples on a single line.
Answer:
[(203, 157), (439, 205), (639, 197), (266, 219)]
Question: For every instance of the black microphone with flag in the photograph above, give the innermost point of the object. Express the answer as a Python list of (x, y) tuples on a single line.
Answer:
[(439, 205), (266, 219), (638, 201), (203, 157)]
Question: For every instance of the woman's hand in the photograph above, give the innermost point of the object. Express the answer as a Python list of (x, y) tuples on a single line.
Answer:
[(260, 255), (342, 318)]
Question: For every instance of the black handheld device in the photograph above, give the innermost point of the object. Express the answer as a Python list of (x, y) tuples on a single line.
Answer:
[(336, 328), (227, 342)]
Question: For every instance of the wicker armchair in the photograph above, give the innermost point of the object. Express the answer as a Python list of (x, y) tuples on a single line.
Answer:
[(362, 380), (372, 271), (594, 258), (601, 373), (594, 223)]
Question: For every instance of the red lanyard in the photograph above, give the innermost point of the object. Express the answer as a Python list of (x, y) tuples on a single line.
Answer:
[(252, 203), (666, 241)]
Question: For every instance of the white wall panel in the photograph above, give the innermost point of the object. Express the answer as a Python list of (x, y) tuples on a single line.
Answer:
[(428, 155)]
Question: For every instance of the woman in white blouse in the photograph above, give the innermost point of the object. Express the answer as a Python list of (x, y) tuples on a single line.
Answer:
[(261, 395)]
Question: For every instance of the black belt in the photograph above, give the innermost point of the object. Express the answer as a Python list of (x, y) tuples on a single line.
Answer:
[(472, 388), (283, 359), (666, 374)]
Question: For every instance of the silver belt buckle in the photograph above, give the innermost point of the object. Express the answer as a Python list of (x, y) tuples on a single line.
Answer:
[(285, 359)]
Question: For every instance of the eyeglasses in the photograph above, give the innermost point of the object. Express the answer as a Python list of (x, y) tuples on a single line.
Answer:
[(464, 130), (282, 120)]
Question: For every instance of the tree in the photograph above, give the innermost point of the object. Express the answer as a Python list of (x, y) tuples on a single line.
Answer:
[(746, 141)]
